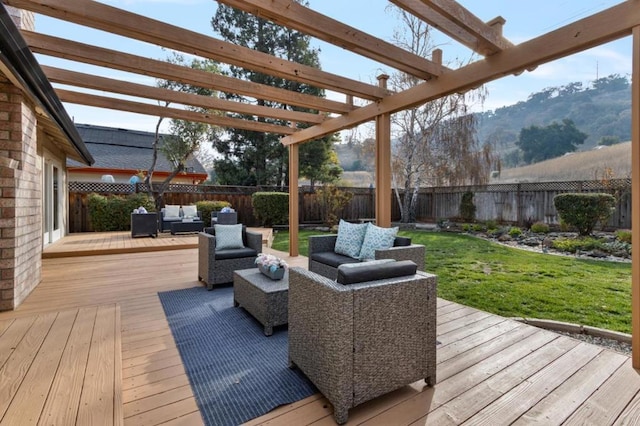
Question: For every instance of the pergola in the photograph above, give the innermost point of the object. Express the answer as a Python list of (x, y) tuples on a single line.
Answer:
[(499, 56)]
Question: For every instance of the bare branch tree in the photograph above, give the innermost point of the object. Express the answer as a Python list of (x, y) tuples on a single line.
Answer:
[(435, 144)]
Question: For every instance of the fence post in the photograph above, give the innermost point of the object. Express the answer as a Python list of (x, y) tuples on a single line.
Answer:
[(519, 206)]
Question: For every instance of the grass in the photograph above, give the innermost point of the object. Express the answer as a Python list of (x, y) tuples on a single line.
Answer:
[(517, 283)]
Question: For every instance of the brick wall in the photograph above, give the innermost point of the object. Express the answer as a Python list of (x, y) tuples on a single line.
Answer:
[(20, 198)]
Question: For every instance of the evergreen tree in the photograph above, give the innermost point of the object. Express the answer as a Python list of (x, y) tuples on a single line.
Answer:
[(256, 158), (542, 143)]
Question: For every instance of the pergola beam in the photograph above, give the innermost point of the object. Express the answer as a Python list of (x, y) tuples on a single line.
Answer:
[(600, 28), (160, 111), (88, 81), (635, 198), (72, 50), (117, 21), (296, 16), (459, 24)]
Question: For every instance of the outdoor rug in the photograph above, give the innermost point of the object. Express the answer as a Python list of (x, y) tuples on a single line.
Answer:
[(236, 372)]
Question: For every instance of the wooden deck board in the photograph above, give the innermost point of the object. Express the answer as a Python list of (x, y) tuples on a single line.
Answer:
[(48, 378), (490, 369)]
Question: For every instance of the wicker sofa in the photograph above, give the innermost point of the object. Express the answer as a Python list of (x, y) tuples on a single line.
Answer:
[(325, 261), (333, 340), (217, 266)]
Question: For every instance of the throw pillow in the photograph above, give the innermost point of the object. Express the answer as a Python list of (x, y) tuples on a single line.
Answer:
[(190, 212), (377, 238), (228, 236), (171, 211), (350, 238)]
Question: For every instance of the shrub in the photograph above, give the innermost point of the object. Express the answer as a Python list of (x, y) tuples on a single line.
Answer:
[(540, 228), (332, 199), (271, 208), (584, 211), (492, 225), (572, 245), (476, 227), (207, 206), (466, 227), (624, 235), (113, 212), (514, 231), (467, 208)]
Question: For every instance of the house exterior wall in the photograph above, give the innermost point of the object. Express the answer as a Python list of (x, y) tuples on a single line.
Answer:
[(20, 198)]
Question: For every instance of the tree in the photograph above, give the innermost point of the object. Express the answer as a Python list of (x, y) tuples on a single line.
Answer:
[(256, 158), (542, 143), (185, 138), (436, 143)]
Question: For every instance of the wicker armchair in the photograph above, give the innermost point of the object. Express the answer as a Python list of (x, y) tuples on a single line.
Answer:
[(333, 341), (325, 262), (217, 266)]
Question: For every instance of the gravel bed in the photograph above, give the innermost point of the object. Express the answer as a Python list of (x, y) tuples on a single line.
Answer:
[(612, 344)]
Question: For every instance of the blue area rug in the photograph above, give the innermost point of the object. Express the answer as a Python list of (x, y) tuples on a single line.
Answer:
[(236, 372)]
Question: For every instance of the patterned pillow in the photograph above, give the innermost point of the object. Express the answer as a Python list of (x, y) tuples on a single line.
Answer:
[(377, 238), (350, 238), (228, 236)]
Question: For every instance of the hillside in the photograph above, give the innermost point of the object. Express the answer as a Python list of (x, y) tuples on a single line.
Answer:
[(612, 161), (601, 109)]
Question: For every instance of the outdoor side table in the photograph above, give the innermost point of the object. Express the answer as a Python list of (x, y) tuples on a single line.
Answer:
[(192, 226), (267, 300), (144, 225)]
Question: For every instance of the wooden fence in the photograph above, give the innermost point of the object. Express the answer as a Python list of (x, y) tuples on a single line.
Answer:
[(522, 203)]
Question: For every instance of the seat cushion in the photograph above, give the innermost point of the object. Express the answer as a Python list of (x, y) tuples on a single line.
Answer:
[(332, 259), (375, 270), (402, 242), (377, 238), (235, 253), (350, 238)]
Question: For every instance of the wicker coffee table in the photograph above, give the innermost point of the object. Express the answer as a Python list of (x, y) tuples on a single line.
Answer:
[(267, 300)]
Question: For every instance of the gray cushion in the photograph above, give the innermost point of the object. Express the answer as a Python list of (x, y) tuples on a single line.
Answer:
[(235, 253), (402, 242), (332, 259), (372, 271)]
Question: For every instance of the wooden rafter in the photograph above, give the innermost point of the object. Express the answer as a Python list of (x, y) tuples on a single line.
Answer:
[(294, 15), (459, 23), (160, 111), (113, 59), (121, 22), (600, 28), (72, 78)]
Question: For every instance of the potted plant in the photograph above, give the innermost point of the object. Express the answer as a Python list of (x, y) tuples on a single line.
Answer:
[(271, 266)]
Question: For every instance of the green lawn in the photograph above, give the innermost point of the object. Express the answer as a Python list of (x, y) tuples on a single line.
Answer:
[(512, 282)]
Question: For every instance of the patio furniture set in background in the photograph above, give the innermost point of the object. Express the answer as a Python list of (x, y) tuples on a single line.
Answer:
[(175, 219), (357, 329)]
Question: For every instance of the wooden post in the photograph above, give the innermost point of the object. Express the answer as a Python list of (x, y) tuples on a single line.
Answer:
[(383, 164), (293, 200), (635, 199)]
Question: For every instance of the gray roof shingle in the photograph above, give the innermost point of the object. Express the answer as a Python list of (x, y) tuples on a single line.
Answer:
[(114, 148)]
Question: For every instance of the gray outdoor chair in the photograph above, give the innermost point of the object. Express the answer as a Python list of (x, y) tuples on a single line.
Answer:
[(359, 341), (217, 266)]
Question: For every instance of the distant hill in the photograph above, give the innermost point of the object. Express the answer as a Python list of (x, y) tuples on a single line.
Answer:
[(612, 161), (602, 109)]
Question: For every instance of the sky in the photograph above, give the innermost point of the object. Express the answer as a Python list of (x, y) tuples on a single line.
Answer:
[(525, 19)]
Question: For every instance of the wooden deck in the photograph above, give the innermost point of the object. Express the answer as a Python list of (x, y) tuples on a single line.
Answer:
[(491, 370)]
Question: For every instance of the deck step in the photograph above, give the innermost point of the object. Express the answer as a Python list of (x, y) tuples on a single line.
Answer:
[(62, 368)]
